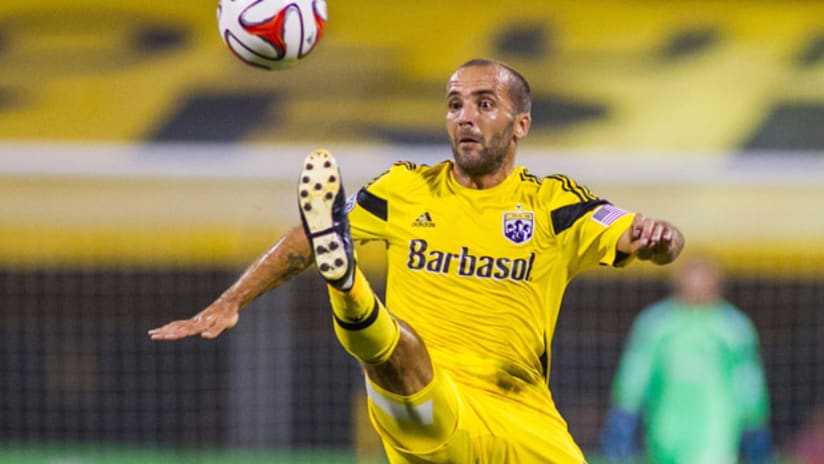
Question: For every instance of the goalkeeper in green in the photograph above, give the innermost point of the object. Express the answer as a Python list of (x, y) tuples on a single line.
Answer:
[(691, 369)]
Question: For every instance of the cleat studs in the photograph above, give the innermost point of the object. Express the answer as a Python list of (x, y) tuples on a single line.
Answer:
[(318, 191)]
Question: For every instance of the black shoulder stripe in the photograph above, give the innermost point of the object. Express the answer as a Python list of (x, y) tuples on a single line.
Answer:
[(410, 166), (570, 186), (373, 203), (376, 178), (587, 193), (526, 176), (565, 216)]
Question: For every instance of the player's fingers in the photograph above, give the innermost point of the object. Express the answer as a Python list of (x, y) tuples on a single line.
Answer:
[(656, 233), (176, 330), (667, 234), (649, 228), (167, 332), (638, 226), (164, 329), (155, 330), (644, 231), (170, 331)]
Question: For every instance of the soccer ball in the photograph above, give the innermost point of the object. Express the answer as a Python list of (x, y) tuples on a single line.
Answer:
[(271, 34)]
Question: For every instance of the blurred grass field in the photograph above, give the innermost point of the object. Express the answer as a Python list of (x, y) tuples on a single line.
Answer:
[(51, 454), (47, 454)]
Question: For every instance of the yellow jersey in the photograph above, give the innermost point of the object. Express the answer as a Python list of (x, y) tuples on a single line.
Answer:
[(480, 274)]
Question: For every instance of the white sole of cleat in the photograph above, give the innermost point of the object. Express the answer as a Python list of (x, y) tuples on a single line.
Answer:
[(318, 186)]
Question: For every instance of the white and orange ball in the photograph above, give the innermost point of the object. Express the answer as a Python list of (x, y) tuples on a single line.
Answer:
[(271, 34)]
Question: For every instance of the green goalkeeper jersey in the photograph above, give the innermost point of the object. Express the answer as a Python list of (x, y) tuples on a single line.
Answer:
[(696, 376)]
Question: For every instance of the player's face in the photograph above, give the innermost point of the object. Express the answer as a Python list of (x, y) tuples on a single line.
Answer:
[(698, 282), (481, 120)]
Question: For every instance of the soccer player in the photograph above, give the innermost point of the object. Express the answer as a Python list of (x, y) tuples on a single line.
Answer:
[(479, 254), (691, 369)]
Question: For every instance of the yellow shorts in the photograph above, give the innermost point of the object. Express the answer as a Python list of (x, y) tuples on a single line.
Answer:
[(448, 422)]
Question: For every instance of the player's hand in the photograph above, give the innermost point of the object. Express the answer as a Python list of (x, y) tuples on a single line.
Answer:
[(654, 240), (209, 323)]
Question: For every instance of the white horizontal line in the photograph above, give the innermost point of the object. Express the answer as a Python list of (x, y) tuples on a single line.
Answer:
[(361, 163)]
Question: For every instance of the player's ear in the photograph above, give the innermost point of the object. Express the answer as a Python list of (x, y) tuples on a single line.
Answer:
[(522, 123)]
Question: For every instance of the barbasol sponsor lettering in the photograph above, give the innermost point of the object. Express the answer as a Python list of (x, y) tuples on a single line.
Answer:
[(466, 264)]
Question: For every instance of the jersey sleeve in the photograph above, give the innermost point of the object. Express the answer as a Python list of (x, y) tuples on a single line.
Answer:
[(368, 209), (595, 239), (587, 227)]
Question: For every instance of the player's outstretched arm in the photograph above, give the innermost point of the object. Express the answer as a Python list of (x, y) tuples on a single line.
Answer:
[(652, 239), (286, 258)]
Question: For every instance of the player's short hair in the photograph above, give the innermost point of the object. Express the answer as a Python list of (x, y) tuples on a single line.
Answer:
[(519, 90)]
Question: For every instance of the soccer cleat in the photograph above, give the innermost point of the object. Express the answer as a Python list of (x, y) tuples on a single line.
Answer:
[(322, 204)]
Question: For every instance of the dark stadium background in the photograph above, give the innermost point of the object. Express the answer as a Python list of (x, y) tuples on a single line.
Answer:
[(142, 166)]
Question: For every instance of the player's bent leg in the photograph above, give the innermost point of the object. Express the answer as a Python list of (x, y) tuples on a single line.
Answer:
[(414, 410), (411, 408), (364, 327), (362, 324), (421, 424), (408, 369)]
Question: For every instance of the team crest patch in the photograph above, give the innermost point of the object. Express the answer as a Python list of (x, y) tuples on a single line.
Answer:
[(519, 226)]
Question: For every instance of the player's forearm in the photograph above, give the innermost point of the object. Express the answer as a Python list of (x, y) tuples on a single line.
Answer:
[(285, 259)]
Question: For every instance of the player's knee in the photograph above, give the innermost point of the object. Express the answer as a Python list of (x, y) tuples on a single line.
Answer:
[(408, 369)]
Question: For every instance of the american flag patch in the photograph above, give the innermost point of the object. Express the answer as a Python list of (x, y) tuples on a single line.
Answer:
[(607, 214)]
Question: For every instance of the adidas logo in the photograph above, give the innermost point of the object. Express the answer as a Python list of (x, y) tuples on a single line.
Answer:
[(424, 220)]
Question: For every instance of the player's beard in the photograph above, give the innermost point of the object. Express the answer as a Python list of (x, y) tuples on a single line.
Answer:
[(486, 159)]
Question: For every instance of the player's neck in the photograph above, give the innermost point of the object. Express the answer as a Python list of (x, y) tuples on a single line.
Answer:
[(484, 181)]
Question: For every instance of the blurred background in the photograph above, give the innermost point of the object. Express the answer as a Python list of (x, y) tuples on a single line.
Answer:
[(142, 167)]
